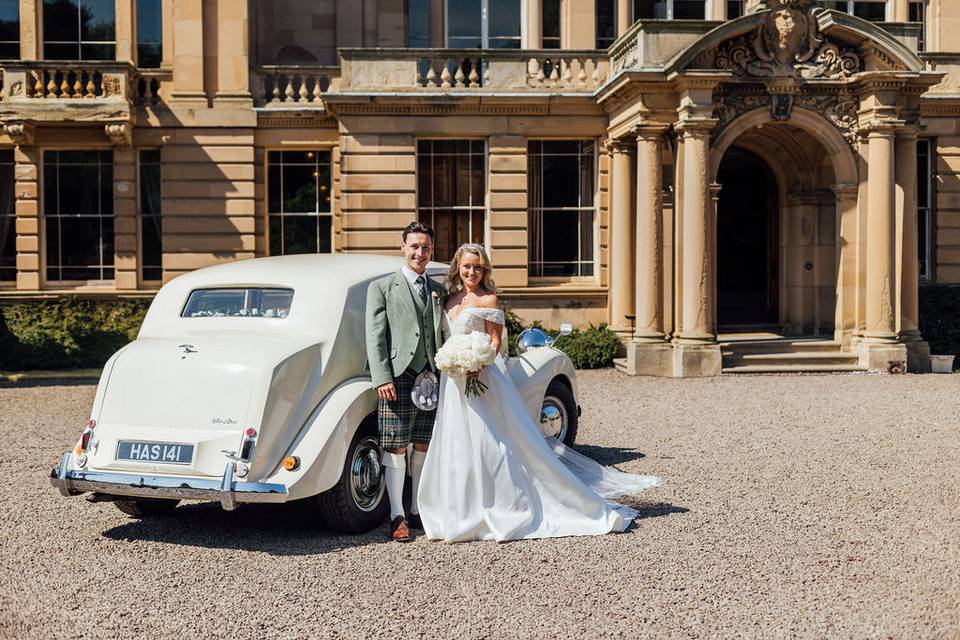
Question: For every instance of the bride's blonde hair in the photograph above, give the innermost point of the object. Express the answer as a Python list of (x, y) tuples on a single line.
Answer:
[(455, 283)]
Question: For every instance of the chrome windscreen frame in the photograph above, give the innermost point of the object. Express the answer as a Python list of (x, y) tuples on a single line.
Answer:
[(227, 491)]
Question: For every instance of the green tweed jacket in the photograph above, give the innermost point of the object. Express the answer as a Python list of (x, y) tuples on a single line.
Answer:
[(393, 326)]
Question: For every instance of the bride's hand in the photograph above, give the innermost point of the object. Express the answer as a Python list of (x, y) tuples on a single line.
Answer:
[(476, 374)]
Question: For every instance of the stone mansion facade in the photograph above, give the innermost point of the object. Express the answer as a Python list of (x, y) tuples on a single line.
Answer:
[(675, 168)]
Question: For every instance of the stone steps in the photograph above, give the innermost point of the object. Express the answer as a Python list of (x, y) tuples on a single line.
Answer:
[(786, 355), (775, 354), (793, 368)]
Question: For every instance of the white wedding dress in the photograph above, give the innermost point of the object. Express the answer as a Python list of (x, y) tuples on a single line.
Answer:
[(490, 474)]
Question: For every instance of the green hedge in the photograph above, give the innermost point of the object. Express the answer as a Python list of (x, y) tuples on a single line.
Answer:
[(940, 319), (591, 348), (67, 333)]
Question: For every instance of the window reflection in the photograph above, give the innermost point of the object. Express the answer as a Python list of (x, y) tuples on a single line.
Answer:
[(9, 29), (606, 23), (79, 29), (451, 192), (8, 233), (151, 231), (299, 200), (487, 24), (78, 214), (561, 216), (149, 33)]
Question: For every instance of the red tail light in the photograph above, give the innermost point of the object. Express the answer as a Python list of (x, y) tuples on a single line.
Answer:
[(86, 435)]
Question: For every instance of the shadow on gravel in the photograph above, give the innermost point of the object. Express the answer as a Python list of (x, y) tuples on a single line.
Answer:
[(651, 509), (609, 455), (281, 530)]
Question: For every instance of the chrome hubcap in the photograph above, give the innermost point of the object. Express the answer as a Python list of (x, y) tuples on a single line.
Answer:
[(553, 418), (366, 475)]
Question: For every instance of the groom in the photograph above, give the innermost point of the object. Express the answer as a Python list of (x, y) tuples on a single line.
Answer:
[(403, 335)]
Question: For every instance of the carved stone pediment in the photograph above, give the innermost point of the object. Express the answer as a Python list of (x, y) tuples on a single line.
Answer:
[(788, 44), (838, 107)]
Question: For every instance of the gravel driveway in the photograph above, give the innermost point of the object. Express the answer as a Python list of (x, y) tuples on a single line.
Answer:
[(792, 506)]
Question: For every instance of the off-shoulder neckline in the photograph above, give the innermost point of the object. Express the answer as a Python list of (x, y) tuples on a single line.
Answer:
[(463, 311)]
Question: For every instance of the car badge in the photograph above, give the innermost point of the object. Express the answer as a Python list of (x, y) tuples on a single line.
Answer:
[(425, 391), (187, 348)]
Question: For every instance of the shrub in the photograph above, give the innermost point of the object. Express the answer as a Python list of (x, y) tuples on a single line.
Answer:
[(514, 327), (66, 333), (940, 319), (591, 348)]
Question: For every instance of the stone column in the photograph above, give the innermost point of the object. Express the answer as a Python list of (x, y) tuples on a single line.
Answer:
[(900, 11), (879, 347), (534, 24), (623, 16), (845, 323), (647, 353), (697, 353), (918, 351), (233, 60), (649, 258), (621, 238), (188, 53), (717, 10), (126, 26), (31, 42), (437, 36)]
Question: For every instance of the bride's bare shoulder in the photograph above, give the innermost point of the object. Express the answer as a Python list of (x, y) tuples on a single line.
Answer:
[(488, 301)]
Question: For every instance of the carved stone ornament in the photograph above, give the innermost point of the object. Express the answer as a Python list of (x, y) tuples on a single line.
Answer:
[(839, 108), (21, 133), (120, 133), (787, 44)]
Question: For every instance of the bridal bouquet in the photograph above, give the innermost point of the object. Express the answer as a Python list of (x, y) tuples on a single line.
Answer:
[(466, 353)]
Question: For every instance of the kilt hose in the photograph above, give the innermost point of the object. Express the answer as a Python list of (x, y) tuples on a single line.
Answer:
[(399, 421)]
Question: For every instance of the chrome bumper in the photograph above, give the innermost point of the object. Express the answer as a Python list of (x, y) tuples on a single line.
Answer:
[(226, 490)]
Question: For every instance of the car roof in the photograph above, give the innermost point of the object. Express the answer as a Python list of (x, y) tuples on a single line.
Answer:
[(308, 270)]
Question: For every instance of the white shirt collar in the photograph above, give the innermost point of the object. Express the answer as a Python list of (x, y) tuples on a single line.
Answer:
[(412, 275)]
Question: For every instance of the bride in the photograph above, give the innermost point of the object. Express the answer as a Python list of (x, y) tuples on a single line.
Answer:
[(489, 473)]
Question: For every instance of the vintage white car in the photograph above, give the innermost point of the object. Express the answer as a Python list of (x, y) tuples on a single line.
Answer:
[(248, 382)]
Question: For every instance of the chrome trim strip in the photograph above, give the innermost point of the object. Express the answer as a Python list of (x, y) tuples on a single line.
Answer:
[(224, 490)]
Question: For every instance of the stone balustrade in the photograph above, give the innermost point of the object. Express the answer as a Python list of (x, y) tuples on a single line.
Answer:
[(567, 72), (59, 81), (294, 85), (471, 70), (150, 86)]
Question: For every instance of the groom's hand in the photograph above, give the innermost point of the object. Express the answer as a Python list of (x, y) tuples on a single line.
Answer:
[(387, 391)]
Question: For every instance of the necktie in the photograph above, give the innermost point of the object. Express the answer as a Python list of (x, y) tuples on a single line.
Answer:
[(422, 288)]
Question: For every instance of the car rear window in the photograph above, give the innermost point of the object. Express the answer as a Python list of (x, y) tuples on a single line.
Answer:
[(238, 302)]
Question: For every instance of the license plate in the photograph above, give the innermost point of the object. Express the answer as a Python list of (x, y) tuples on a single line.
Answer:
[(162, 452)]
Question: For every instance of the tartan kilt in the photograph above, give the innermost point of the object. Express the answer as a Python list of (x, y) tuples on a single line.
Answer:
[(399, 421)]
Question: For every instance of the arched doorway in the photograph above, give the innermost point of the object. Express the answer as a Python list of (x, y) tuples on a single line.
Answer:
[(747, 241)]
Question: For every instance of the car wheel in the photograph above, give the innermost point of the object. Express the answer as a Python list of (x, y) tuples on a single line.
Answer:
[(145, 507), (357, 503), (558, 413)]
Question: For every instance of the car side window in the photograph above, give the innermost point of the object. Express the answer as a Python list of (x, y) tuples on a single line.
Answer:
[(238, 302)]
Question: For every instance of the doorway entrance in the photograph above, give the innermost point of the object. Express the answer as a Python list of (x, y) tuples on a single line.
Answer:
[(747, 241)]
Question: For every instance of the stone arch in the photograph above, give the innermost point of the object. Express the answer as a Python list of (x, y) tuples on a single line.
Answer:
[(842, 158)]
